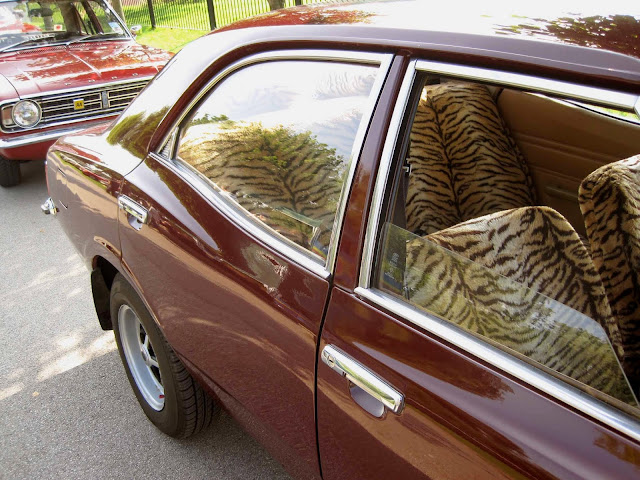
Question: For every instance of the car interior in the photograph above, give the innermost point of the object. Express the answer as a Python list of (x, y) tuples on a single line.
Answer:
[(515, 216)]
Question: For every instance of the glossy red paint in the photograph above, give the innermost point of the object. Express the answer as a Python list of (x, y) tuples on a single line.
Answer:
[(79, 177), (462, 419), (600, 28), (53, 69), (247, 321), (248, 318), (63, 67), (38, 150), (353, 230)]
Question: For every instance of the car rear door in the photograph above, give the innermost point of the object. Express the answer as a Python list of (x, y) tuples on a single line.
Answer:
[(244, 204), (405, 394)]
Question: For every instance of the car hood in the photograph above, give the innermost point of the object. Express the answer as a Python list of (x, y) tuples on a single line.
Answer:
[(61, 67)]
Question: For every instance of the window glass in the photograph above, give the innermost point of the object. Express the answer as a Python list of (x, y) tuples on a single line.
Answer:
[(481, 233), (26, 24), (503, 312), (275, 139)]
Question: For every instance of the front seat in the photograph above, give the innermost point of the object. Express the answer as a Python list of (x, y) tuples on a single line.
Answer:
[(522, 279), (610, 204)]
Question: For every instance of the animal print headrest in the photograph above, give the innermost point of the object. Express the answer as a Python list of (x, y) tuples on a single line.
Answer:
[(465, 163), (610, 204), (622, 177)]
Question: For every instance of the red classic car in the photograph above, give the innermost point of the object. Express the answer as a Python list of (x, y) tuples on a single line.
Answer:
[(393, 245), (64, 65)]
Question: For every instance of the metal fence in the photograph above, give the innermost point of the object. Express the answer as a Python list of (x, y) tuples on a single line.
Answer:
[(196, 14)]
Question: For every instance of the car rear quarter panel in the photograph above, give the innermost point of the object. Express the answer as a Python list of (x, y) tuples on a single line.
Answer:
[(244, 318), (85, 185)]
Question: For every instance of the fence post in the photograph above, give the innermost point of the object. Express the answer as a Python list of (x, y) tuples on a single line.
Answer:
[(152, 14), (212, 14)]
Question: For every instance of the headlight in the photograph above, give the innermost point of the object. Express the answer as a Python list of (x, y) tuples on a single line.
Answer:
[(26, 113)]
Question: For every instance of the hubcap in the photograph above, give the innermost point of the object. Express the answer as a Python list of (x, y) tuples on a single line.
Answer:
[(141, 357)]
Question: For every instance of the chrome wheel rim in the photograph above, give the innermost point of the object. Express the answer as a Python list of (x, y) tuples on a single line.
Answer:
[(141, 357)]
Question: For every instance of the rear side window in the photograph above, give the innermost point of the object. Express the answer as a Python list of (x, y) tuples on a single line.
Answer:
[(275, 139)]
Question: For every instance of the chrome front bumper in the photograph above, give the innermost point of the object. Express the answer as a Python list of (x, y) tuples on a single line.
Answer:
[(48, 207)]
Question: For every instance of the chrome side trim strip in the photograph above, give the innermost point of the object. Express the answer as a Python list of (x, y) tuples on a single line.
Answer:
[(619, 100), (364, 378), (383, 173), (507, 363), (384, 63), (271, 238)]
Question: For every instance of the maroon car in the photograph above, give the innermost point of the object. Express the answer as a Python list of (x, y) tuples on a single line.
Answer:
[(390, 244), (64, 65)]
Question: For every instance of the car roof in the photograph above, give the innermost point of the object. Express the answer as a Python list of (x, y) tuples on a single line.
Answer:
[(605, 37)]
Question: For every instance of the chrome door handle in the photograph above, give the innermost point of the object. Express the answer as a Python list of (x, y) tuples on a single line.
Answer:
[(134, 209), (363, 378)]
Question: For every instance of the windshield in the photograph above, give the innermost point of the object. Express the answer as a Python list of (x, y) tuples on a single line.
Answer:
[(26, 24)]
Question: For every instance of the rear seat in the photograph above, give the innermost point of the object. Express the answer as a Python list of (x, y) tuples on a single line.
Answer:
[(464, 162)]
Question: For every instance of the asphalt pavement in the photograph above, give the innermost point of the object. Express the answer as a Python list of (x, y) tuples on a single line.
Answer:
[(66, 407)]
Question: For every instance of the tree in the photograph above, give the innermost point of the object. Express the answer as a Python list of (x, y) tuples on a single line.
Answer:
[(117, 6), (276, 4)]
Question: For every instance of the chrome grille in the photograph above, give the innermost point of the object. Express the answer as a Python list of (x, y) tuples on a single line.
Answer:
[(62, 106), (79, 104)]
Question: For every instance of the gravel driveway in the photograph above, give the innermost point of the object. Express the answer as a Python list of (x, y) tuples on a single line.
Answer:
[(66, 408)]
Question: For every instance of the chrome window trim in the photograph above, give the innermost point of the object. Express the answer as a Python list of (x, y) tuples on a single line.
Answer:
[(300, 255), (389, 148), (611, 98), (447, 331), (270, 237), (503, 361)]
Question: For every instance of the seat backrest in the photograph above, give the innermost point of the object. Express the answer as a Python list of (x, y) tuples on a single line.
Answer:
[(464, 162), (510, 276), (610, 204)]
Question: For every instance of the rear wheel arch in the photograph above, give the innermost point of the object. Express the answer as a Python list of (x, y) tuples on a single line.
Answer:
[(102, 277)]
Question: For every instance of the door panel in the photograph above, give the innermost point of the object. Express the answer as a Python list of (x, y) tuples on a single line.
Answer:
[(462, 419), (244, 316)]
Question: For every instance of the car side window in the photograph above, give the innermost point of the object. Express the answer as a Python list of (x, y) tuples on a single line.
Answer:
[(276, 140), (473, 236)]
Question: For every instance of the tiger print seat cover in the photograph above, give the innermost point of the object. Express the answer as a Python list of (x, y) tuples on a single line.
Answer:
[(464, 162), (475, 287), (610, 203)]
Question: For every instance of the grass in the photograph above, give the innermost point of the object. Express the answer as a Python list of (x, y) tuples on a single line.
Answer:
[(170, 39), (193, 14), (189, 19)]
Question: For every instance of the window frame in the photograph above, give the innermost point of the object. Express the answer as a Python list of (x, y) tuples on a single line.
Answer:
[(443, 329), (167, 150)]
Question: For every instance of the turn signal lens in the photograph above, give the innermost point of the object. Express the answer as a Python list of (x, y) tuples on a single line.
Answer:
[(26, 113)]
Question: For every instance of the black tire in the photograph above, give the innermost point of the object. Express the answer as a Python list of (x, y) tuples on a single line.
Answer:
[(187, 409), (9, 173)]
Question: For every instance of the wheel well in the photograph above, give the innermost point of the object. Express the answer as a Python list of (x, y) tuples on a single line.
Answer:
[(101, 280)]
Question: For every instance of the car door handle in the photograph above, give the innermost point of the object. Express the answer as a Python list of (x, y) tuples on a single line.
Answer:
[(133, 209), (365, 380)]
